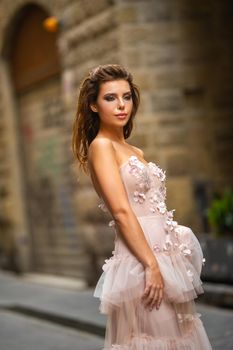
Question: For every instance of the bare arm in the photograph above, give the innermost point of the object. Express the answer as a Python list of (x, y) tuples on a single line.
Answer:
[(104, 168)]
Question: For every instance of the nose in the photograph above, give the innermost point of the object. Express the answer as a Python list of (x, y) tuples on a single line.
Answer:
[(121, 103)]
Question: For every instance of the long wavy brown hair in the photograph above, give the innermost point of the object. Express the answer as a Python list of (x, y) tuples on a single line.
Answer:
[(86, 124)]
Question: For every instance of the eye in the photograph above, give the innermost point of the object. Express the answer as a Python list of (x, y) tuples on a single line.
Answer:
[(128, 97), (109, 98)]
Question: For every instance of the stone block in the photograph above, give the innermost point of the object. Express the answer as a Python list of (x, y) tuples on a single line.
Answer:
[(145, 110), (155, 11), (180, 198), (98, 246), (126, 13), (82, 179), (103, 44), (98, 239), (142, 78), (139, 138), (192, 10), (170, 119), (90, 29), (152, 154), (178, 162), (86, 203), (172, 136), (167, 100), (131, 35), (75, 12), (130, 57), (179, 75)]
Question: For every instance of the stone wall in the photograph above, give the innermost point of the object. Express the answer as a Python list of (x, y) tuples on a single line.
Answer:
[(180, 55), (87, 37)]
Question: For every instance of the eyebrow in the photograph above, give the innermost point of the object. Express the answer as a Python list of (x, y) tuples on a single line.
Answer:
[(113, 93)]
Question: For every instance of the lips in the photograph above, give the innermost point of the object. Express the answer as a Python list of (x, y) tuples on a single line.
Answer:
[(121, 115)]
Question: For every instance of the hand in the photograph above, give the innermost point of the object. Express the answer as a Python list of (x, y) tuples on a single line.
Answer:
[(153, 292)]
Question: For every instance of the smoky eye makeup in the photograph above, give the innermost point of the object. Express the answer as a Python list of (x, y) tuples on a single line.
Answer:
[(128, 96), (110, 97)]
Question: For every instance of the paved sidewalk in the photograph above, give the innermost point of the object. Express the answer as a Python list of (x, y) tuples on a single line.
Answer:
[(69, 305), (21, 332), (64, 305)]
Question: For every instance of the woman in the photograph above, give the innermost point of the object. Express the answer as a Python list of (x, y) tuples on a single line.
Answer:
[(148, 286)]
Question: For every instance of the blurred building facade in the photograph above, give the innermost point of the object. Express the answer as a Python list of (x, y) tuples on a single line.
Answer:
[(180, 53)]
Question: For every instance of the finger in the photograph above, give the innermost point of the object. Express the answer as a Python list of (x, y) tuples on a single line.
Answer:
[(160, 297), (156, 295), (155, 301), (145, 293), (149, 298), (157, 298)]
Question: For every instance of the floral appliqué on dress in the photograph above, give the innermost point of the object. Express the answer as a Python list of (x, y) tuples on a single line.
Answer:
[(146, 189), (157, 197)]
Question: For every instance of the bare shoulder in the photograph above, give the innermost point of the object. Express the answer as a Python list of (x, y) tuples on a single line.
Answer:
[(99, 142), (100, 147), (139, 151)]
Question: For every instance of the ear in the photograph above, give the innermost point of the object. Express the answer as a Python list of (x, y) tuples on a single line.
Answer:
[(93, 108)]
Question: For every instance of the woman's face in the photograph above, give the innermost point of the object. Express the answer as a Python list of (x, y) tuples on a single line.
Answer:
[(114, 103)]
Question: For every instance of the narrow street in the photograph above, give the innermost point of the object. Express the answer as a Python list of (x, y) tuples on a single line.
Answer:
[(19, 332), (36, 316)]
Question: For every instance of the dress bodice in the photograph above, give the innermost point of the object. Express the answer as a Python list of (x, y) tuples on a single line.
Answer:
[(145, 186), (146, 191)]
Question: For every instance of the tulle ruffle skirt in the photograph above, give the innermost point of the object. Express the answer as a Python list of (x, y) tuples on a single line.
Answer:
[(175, 325)]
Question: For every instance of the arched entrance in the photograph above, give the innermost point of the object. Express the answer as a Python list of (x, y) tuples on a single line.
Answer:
[(35, 73)]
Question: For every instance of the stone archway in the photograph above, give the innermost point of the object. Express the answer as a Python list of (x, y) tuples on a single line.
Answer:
[(34, 68), (33, 54)]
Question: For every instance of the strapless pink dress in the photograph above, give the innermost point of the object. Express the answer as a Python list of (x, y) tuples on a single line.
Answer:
[(175, 325)]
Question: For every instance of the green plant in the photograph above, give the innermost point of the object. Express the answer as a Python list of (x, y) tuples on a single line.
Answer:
[(220, 213)]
